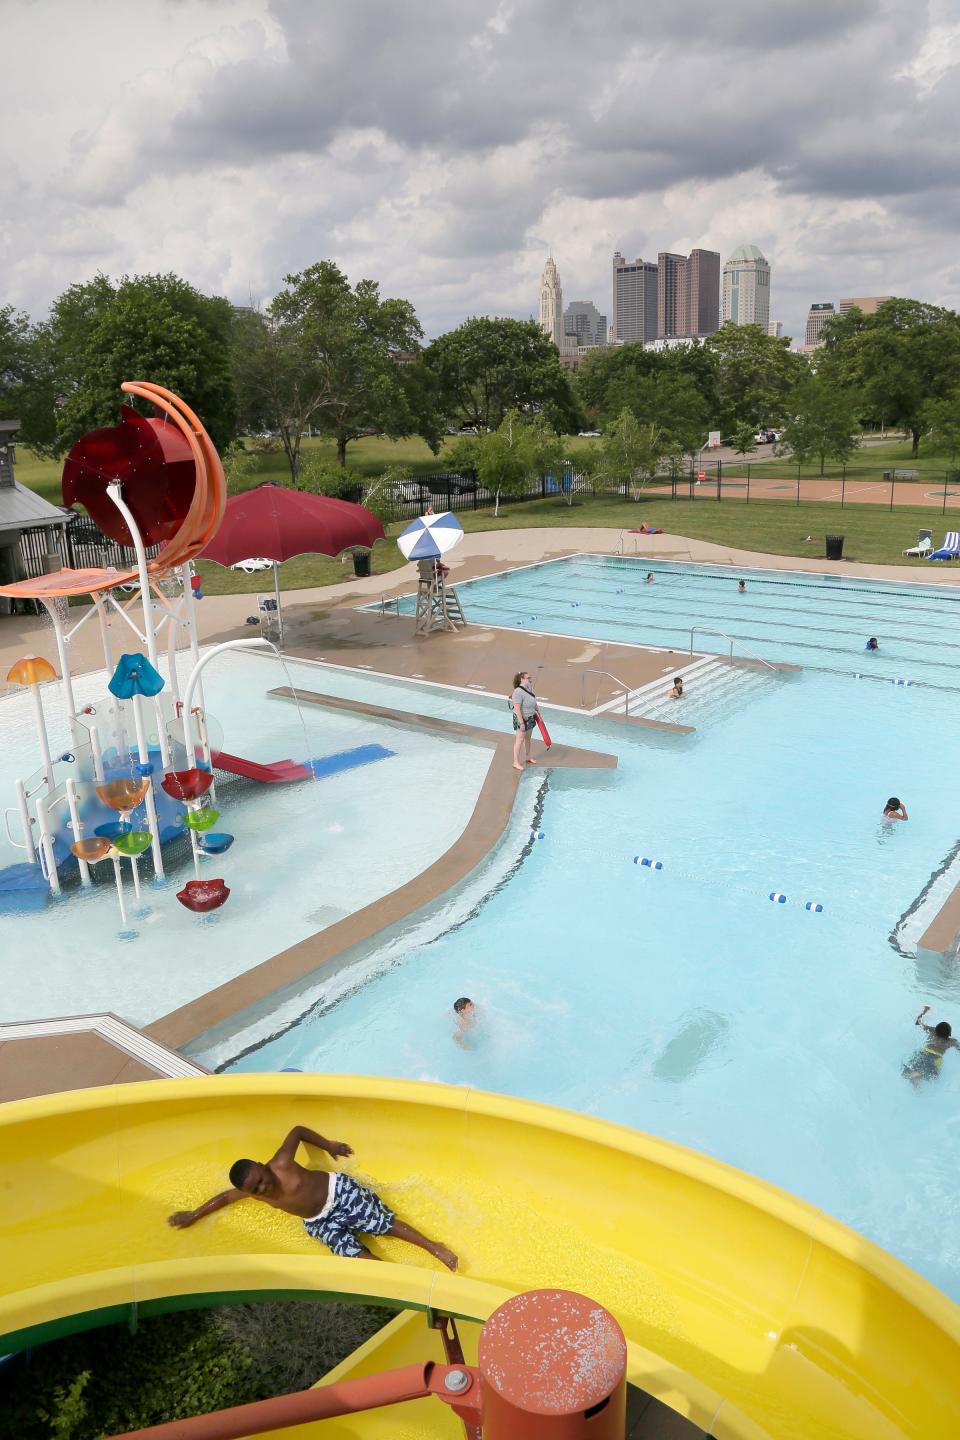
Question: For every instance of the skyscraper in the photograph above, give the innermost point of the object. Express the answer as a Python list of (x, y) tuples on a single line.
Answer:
[(746, 288), (702, 292), (817, 317), (866, 304), (551, 303), (583, 320), (634, 311), (671, 294), (688, 293)]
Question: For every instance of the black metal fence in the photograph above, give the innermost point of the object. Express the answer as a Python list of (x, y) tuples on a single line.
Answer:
[(79, 544), (858, 484), (461, 490)]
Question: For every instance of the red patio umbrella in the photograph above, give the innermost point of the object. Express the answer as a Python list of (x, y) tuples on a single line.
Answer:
[(277, 523)]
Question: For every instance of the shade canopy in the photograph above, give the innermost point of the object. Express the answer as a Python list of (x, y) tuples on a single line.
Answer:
[(430, 536), (279, 523)]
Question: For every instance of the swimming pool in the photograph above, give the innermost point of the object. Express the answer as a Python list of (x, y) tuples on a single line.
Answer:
[(682, 1001), (305, 855), (805, 619)]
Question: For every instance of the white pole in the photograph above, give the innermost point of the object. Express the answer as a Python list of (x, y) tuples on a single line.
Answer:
[(119, 734), (45, 755), (77, 828), (134, 866), (118, 877), (96, 753), (149, 630), (24, 808), (61, 639), (46, 846), (144, 753), (255, 642), (276, 591)]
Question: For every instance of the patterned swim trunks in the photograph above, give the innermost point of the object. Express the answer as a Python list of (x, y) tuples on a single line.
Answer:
[(349, 1207)]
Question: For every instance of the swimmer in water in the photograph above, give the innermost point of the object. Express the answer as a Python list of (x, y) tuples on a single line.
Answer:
[(677, 692), (925, 1063), (649, 580), (466, 1013), (895, 809), (872, 643), (741, 586)]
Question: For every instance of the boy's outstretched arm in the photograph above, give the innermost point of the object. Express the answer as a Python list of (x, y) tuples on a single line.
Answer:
[(181, 1219), (336, 1149)]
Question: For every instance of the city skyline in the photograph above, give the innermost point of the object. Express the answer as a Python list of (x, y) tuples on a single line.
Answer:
[(237, 147)]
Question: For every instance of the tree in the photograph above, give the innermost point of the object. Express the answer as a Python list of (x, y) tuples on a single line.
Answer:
[(328, 356), (825, 423), (632, 452), (153, 327), (900, 359), (755, 374), (487, 367), (504, 459), (941, 427), (744, 439), (676, 387), (26, 383)]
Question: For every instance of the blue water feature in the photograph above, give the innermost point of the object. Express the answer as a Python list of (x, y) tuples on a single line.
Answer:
[(680, 996), (348, 760)]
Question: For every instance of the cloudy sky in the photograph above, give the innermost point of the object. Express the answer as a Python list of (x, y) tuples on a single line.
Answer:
[(443, 146)]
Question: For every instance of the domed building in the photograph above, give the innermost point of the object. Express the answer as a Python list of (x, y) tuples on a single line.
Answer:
[(746, 288)]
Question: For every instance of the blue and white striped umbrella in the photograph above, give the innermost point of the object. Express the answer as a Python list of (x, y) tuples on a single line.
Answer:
[(430, 536)]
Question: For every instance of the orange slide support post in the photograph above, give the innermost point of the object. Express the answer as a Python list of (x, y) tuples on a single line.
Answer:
[(551, 1366)]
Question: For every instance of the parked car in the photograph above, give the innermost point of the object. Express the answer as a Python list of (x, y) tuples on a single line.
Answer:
[(589, 434)]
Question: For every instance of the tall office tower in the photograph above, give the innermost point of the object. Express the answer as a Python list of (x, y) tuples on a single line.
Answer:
[(746, 288), (582, 319), (817, 317), (671, 294), (701, 293), (634, 313), (775, 329), (551, 303), (868, 304)]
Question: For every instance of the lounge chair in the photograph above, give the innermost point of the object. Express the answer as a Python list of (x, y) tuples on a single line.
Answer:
[(950, 549), (923, 546)]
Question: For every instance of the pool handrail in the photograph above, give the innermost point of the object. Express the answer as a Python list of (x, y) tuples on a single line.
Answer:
[(616, 680), (710, 630)]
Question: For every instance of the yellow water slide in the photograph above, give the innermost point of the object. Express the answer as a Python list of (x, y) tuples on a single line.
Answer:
[(750, 1312)]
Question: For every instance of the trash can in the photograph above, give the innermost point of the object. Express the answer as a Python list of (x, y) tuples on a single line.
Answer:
[(834, 547), (361, 563)]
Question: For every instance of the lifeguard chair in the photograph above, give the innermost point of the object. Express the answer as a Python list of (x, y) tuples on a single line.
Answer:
[(438, 604)]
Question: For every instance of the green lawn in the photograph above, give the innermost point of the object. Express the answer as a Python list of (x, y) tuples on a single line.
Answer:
[(869, 462), (873, 534)]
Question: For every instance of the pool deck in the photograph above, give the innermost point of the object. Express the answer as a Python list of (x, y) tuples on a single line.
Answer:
[(326, 624)]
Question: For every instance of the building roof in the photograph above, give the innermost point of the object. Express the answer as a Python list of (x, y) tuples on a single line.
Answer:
[(747, 252), (22, 509)]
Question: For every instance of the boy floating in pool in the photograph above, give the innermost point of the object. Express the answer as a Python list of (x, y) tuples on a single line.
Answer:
[(332, 1206), (925, 1063)]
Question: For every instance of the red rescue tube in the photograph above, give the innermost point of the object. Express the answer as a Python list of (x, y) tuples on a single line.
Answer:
[(543, 731)]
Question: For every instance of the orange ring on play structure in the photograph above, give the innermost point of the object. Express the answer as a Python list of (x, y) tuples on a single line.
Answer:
[(91, 850)]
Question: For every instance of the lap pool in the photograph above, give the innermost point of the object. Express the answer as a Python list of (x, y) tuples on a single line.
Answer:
[(682, 1001)]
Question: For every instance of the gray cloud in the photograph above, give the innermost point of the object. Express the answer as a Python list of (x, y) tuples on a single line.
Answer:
[(431, 145)]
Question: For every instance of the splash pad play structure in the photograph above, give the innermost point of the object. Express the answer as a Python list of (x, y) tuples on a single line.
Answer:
[(137, 773)]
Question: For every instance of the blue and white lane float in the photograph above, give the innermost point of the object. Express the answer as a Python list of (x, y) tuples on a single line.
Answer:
[(649, 862)]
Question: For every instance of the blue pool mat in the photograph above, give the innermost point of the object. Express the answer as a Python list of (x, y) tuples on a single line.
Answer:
[(348, 760)]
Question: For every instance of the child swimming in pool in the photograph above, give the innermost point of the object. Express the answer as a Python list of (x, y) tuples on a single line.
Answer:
[(895, 809), (677, 692), (466, 1013), (925, 1063)]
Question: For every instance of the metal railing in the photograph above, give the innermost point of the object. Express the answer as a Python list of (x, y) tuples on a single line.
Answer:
[(616, 680), (709, 630), (393, 600)]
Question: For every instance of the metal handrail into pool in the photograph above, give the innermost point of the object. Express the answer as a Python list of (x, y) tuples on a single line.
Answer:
[(709, 630), (616, 681)]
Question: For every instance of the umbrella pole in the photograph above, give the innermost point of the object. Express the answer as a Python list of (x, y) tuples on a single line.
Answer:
[(276, 591)]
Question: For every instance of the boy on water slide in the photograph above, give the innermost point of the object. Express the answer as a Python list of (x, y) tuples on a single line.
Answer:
[(331, 1205)]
